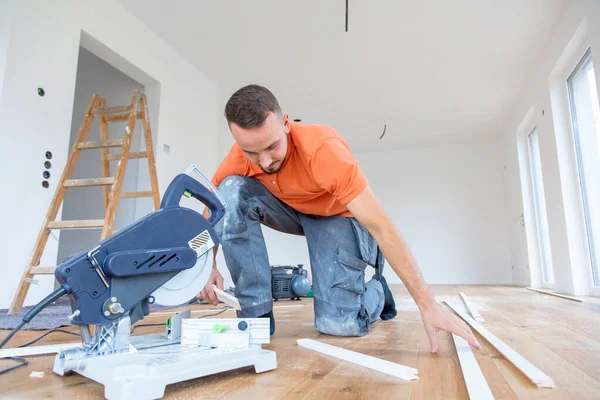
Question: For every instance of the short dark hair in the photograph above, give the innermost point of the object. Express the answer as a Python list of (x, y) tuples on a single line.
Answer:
[(249, 107)]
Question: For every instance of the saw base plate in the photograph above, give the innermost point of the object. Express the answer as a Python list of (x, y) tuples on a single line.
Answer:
[(144, 373)]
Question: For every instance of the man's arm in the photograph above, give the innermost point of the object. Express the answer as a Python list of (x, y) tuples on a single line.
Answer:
[(215, 279), (367, 210)]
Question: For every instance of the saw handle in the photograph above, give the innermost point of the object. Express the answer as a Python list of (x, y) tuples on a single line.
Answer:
[(184, 184)]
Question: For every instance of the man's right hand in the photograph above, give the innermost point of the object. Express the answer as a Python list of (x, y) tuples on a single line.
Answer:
[(208, 293)]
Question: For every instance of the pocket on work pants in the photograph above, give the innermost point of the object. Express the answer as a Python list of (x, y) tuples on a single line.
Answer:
[(348, 283), (340, 312)]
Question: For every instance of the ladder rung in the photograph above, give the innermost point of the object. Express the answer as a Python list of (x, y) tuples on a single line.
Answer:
[(101, 144), (111, 110), (113, 157), (43, 270), (89, 182), (121, 117), (133, 195), (81, 223)]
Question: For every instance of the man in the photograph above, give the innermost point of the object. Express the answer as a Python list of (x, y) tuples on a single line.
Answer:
[(303, 179)]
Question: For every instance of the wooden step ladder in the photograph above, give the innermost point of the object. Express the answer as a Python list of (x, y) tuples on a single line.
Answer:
[(112, 184)]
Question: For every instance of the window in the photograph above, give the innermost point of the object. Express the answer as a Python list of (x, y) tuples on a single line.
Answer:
[(585, 121), (539, 203)]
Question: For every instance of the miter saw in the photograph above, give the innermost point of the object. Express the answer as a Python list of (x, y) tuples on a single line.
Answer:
[(162, 258)]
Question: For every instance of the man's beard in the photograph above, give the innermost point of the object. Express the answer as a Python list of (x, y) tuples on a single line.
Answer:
[(271, 172), (274, 171)]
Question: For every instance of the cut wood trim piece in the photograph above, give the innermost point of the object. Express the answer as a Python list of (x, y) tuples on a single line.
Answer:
[(534, 374), (89, 182), (37, 350), (471, 308), (115, 157), (115, 190), (150, 152), (477, 386), (377, 364), (135, 195), (82, 223), (227, 298), (121, 117), (111, 110), (564, 296), (100, 144), (43, 270), (104, 152)]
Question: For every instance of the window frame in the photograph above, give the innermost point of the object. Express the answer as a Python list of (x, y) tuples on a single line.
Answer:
[(540, 212), (574, 65), (528, 218)]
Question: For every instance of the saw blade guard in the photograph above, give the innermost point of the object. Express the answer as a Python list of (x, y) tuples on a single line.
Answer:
[(186, 185), (186, 284)]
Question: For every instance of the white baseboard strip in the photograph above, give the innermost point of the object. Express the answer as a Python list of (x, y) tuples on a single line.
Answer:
[(36, 350), (474, 312), (227, 298), (564, 296), (477, 386), (377, 364), (534, 374)]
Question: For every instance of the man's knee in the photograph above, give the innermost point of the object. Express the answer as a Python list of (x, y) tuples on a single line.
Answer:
[(338, 321), (232, 187), (237, 191)]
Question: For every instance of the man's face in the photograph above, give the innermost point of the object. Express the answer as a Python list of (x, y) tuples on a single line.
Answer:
[(266, 145)]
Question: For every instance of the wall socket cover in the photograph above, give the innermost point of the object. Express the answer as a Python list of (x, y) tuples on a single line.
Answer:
[(166, 148)]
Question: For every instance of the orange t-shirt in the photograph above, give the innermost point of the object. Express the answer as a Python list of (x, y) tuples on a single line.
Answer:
[(319, 175)]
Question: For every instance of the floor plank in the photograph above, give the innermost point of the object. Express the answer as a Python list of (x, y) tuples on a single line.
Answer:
[(574, 347), (498, 385), (443, 368), (559, 336), (389, 341)]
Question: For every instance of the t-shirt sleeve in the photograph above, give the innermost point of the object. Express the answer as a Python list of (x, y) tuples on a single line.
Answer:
[(336, 170), (231, 165)]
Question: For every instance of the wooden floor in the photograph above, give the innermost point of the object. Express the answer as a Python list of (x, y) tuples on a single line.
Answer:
[(559, 336)]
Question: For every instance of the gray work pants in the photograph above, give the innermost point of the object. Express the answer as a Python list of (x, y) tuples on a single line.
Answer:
[(340, 249)]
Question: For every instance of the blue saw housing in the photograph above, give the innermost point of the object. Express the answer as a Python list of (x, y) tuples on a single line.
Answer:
[(134, 262)]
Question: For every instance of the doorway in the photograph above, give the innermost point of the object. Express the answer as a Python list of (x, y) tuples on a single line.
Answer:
[(96, 76)]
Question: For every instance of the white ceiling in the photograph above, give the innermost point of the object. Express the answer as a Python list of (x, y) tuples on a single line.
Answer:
[(434, 70)]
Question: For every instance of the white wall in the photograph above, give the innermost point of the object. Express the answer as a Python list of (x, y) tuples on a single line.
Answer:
[(542, 94), (95, 76), (447, 201), (42, 52), (7, 11)]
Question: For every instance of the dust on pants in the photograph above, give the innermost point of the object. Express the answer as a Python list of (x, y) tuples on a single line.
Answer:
[(340, 249)]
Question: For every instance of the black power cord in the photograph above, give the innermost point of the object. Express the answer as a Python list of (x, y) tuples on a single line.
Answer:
[(24, 361), (28, 317), (46, 334), (221, 311)]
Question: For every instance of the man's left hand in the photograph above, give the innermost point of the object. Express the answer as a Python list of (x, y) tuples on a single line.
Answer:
[(437, 317)]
